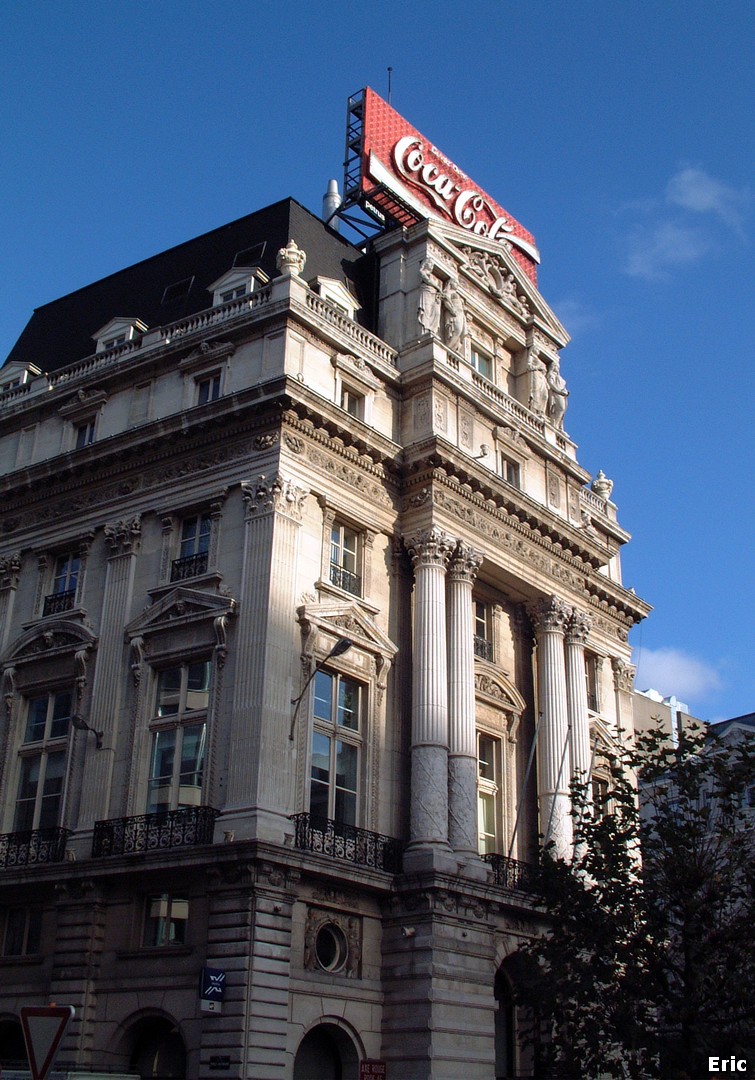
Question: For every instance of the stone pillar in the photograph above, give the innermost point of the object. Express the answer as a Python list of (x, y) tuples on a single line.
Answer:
[(577, 630), (462, 745), (623, 684), (430, 551), (10, 575), (123, 539), (553, 764), (261, 772), (74, 978)]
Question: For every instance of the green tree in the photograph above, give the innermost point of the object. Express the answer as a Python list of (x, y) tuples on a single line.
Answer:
[(649, 964)]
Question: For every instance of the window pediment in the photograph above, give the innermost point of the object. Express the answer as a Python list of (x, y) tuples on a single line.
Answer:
[(323, 624), (55, 639), (181, 607), (499, 691)]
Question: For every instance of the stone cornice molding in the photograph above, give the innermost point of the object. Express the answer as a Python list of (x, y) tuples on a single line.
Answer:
[(578, 628), (123, 537), (465, 563), (275, 494), (430, 547)]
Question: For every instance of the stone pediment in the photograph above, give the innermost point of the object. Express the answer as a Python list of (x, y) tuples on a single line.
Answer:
[(53, 639), (180, 607), (499, 691), (342, 619), (604, 736), (493, 268)]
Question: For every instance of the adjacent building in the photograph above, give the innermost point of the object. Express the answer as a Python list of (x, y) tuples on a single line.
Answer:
[(308, 616)]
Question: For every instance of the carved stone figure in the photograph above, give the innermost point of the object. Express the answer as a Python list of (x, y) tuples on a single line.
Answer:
[(455, 320), (428, 311), (290, 260), (538, 400), (557, 394), (602, 486)]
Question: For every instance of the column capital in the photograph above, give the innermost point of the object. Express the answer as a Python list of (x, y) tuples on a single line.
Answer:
[(465, 563), (550, 614), (430, 547), (274, 494), (123, 537), (623, 674), (10, 570), (578, 627)]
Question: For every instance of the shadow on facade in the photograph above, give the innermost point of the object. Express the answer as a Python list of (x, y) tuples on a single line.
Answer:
[(326, 1053)]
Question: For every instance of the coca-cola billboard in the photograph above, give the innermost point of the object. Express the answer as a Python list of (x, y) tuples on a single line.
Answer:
[(397, 158)]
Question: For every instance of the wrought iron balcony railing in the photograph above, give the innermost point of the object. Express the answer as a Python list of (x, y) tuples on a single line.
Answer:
[(483, 648), (347, 842), (187, 827), (189, 566), (57, 602), (36, 846), (344, 579), (512, 874)]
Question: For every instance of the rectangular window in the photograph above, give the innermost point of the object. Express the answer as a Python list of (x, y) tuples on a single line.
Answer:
[(352, 402), (488, 793), (84, 434), (64, 585), (178, 751), (591, 682), (22, 931), (233, 294), (194, 548), (482, 362), (511, 471), (336, 748), (40, 791), (111, 343), (208, 388), (483, 637), (166, 921), (344, 559)]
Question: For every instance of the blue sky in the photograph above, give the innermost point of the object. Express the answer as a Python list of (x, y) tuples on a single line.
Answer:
[(620, 134)]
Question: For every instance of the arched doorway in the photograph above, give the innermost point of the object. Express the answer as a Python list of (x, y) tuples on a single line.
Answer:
[(326, 1053), (157, 1050), (12, 1045), (505, 1028), (514, 1023)]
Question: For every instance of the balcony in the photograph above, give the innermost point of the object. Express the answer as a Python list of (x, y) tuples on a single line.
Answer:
[(483, 648), (347, 842), (188, 567), (58, 602), (344, 579), (512, 874), (30, 848), (188, 827)]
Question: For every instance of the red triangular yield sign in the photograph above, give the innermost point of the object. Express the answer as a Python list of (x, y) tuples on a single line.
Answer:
[(44, 1027)]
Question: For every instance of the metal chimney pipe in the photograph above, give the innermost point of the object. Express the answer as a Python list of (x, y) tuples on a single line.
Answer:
[(331, 200)]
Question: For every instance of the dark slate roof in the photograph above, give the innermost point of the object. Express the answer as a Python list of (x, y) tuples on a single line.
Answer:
[(60, 333), (722, 726)]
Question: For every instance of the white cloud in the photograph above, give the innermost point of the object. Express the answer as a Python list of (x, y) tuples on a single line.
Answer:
[(575, 315), (655, 249), (671, 671), (693, 189)]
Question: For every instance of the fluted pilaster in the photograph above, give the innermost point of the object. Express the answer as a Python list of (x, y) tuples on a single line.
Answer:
[(462, 756), (430, 551), (577, 631), (551, 617)]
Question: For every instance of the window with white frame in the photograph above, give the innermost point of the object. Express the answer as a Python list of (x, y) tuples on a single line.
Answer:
[(337, 728), (483, 630), (352, 401), (488, 793), (194, 547), (42, 761), (481, 361), (511, 471), (208, 387), (179, 737), (345, 556), (166, 921), (84, 434), (21, 931), (592, 682), (64, 584)]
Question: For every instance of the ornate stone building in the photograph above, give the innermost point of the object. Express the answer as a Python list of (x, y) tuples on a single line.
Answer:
[(308, 615)]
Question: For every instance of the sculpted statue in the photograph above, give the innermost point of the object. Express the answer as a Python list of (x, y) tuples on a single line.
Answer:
[(538, 400), (428, 311), (602, 486), (455, 322), (557, 394)]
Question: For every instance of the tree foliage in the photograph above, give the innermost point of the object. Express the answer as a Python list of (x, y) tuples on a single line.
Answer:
[(649, 965)]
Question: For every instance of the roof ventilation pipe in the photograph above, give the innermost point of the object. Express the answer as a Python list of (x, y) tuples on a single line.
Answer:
[(331, 200)]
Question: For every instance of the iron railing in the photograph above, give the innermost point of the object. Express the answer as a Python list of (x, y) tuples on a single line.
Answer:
[(483, 648), (344, 579), (33, 846), (57, 602), (347, 842), (187, 827), (512, 874), (188, 567)]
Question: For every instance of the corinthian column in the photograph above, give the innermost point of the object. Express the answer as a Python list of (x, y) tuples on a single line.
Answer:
[(553, 765), (430, 551), (576, 635), (462, 756)]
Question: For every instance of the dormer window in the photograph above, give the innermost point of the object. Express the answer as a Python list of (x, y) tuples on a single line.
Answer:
[(336, 292), (118, 332), (237, 283), (16, 374)]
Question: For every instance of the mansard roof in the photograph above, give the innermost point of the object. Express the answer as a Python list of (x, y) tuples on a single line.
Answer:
[(60, 333)]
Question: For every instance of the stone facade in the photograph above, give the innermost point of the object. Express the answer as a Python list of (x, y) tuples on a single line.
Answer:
[(191, 775)]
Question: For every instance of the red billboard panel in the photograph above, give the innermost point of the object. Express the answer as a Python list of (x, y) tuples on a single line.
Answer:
[(398, 160)]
